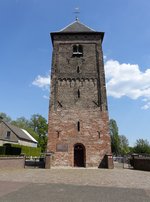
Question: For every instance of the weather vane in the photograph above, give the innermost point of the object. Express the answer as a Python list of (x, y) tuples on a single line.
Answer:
[(77, 11)]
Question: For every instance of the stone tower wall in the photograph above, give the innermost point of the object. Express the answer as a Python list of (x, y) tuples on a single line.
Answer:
[(78, 104)]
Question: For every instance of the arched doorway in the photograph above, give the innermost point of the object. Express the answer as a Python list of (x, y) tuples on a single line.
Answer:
[(79, 155)]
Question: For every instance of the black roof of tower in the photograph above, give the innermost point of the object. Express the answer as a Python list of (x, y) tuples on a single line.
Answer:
[(77, 28)]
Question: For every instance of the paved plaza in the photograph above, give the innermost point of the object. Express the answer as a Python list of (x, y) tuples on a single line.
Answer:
[(72, 185)]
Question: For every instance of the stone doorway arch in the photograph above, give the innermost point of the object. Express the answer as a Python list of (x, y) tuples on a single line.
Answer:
[(79, 155)]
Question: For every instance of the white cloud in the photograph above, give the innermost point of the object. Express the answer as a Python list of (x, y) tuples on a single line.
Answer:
[(104, 58), (42, 82), (127, 80), (46, 97)]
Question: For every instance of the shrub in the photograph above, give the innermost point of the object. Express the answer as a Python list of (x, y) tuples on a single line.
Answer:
[(2, 150), (28, 151)]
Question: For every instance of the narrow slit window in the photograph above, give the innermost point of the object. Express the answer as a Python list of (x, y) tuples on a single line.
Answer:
[(99, 134), (78, 126), (78, 69), (58, 134), (78, 93)]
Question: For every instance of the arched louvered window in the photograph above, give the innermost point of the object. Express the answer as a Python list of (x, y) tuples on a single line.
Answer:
[(80, 49), (77, 50)]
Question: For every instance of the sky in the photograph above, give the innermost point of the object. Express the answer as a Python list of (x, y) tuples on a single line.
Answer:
[(26, 50)]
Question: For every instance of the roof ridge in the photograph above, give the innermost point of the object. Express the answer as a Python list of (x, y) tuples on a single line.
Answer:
[(9, 125), (29, 135), (67, 26), (13, 128), (86, 26), (77, 26)]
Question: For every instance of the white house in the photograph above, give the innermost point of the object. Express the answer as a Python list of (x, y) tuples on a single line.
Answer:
[(10, 134)]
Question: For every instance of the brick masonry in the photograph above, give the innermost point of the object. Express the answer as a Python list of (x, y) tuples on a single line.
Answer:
[(78, 104), (12, 162)]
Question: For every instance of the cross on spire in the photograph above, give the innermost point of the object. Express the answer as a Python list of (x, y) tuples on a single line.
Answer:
[(77, 11)]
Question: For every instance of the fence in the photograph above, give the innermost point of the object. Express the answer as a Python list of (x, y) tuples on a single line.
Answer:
[(9, 162), (133, 161), (34, 162)]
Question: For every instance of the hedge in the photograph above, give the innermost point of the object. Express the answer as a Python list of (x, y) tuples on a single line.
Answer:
[(2, 150), (9, 150), (29, 151), (20, 149)]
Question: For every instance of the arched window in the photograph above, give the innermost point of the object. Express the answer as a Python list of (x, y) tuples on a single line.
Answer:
[(77, 50), (80, 49)]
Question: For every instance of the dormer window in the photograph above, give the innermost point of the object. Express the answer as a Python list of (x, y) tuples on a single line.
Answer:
[(8, 135), (77, 51)]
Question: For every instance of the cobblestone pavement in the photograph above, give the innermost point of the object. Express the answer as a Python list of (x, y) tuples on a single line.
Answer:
[(124, 178), (74, 185)]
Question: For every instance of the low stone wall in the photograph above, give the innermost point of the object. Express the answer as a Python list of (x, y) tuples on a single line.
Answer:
[(141, 163), (12, 162)]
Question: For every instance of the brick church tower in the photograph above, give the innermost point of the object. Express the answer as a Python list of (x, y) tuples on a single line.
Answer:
[(78, 133)]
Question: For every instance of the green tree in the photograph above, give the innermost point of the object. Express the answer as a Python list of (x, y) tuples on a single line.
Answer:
[(142, 146), (115, 140), (24, 123), (21, 122), (34, 134), (39, 125), (131, 149), (5, 117), (124, 145)]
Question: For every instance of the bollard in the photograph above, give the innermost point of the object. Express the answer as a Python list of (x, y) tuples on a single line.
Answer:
[(48, 161), (109, 161)]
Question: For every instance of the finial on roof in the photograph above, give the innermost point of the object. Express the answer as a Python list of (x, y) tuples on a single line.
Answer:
[(76, 13)]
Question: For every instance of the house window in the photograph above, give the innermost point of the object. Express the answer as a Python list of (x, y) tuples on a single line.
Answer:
[(77, 51), (8, 135)]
